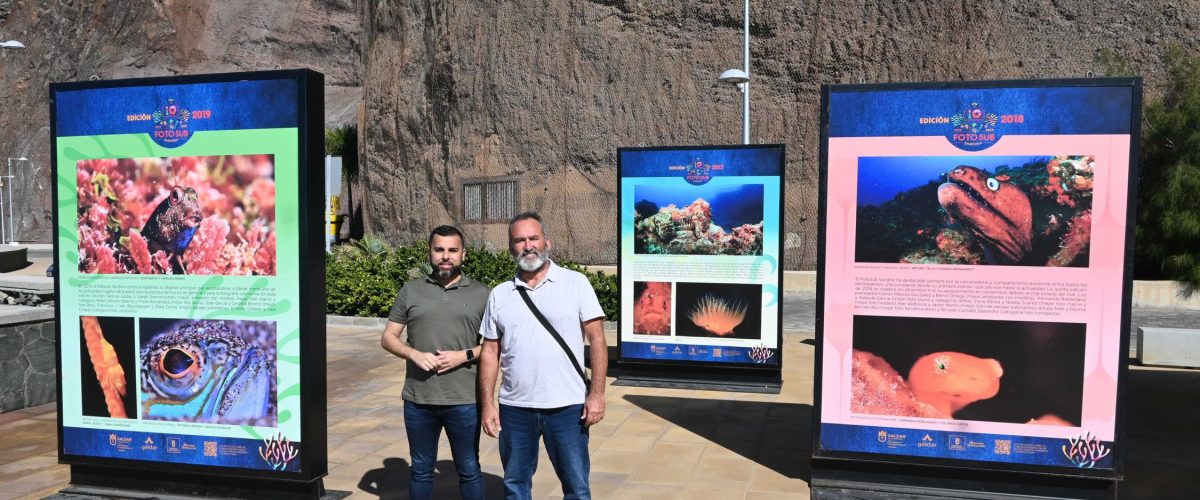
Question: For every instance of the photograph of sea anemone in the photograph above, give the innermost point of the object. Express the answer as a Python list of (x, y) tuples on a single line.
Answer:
[(966, 369), (976, 210), (107, 367), (213, 371), (208, 215), (732, 311), (698, 220), (651, 308)]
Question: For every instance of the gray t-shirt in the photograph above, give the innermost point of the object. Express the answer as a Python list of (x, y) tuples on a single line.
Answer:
[(441, 318)]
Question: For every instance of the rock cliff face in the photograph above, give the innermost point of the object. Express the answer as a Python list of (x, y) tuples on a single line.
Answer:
[(81, 40), (547, 92)]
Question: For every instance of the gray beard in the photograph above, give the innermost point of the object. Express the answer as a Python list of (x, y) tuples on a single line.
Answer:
[(531, 266)]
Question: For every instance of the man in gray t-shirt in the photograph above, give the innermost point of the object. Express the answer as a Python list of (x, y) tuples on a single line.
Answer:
[(440, 314)]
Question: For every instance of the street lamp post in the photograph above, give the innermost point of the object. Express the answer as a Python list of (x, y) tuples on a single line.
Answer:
[(12, 228), (741, 77)]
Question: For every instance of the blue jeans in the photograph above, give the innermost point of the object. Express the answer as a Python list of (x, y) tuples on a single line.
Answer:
[(424, 424), (566, 441)]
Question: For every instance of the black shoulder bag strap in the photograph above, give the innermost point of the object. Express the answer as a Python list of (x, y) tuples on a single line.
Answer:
[(587, 384)]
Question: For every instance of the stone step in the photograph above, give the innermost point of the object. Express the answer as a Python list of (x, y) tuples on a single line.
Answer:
[(40, 285)]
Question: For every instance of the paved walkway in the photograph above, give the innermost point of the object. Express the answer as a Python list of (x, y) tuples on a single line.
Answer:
[(654, 443)]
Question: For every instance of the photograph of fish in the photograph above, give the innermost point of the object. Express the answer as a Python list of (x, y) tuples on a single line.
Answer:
[(698, 220), (179, 215), (976, 210), (651, 308), (107, 367), (212, 371), (732, 311), (964, 369)]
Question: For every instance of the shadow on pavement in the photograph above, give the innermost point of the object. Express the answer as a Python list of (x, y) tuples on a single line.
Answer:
[(777, 436), (391, 481)]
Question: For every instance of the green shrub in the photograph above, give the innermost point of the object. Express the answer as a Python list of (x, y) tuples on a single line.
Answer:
[(362, 279)]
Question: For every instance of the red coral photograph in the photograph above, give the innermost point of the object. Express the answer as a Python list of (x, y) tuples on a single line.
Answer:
[(206, 215)]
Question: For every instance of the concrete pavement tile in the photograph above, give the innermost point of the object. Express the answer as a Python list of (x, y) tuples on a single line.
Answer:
[(772, 495), (700, 487), (36, 481), (656, 472), (640, 427), (687, 434), (726, 469), (764, 479), (642, 491), (640, 444), (713, 450), (619, 462), (606, 484), (675, 452)]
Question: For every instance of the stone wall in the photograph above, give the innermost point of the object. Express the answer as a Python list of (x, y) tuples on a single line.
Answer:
[(547, 91), (28, 376), (115, 39)]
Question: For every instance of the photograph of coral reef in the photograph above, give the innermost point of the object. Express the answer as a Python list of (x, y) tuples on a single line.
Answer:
[(181, 215), (725, 310), (652, 309), (965, 369), (214, 371), (997, 210), (699, 220), (107, 368)]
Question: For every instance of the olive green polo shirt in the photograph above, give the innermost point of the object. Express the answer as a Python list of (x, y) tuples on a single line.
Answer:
[(447, 319)]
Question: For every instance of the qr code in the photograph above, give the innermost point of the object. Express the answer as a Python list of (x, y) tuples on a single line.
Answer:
[(1003, 446), (210, 448)]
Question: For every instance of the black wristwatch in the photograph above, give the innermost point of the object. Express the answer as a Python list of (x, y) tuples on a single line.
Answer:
[(470, 354)]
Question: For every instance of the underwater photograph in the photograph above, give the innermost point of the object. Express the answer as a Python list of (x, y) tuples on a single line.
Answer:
[(725, 310), (107, 367), (698, 220), (652, 308), (976, 210), (1026, 372), (213, 371)]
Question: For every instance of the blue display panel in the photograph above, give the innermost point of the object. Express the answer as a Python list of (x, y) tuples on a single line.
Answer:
[(700, 256)]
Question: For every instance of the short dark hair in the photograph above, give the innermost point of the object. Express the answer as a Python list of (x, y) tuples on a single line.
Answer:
[(526, 216), (447, 230)]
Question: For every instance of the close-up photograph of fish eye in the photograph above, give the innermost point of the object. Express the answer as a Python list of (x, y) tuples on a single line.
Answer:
[(975, 210)]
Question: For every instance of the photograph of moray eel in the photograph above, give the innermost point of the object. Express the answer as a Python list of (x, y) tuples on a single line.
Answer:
[(998, 210), (966, 369), (107, 367), (732, 311), (213, 371), (179, 215), (651, 308), (698, 220)]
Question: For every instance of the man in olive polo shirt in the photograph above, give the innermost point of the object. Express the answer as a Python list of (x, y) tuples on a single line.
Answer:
[(441, 314)]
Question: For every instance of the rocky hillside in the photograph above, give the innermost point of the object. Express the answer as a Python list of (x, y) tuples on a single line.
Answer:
[(81, 40), (548, 92), (544, 92)]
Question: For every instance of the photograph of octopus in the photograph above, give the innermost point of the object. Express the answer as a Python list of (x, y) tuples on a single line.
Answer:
[(698, 220), (212, 371), (998, 210), (107, 367), (732, 311), (995, 371), (177, 215), (651, 308)]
